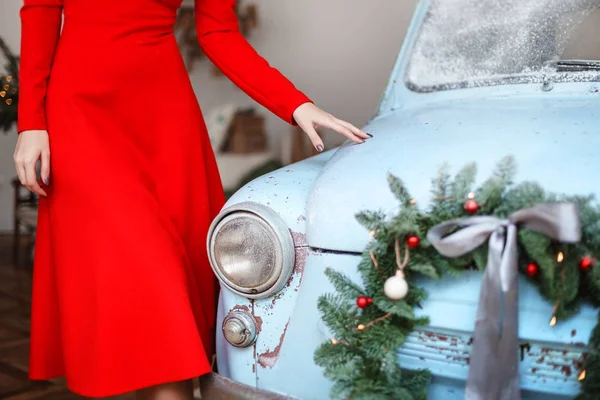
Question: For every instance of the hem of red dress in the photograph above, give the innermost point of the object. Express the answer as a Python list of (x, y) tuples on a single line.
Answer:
[(118, 392)]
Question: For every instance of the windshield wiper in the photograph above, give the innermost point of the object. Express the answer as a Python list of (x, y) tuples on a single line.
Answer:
[(576, 65)]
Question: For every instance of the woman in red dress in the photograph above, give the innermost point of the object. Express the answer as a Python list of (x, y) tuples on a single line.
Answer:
[(123, 292)]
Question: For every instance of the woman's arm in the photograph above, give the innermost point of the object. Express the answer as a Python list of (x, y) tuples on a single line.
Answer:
[(223, 44), (40, 29)]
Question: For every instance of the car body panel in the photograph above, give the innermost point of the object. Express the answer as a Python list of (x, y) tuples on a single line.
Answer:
[(550, 130), (552, 136), (291, 330)]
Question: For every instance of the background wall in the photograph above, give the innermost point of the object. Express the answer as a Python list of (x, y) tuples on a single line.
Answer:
[(339, 52)]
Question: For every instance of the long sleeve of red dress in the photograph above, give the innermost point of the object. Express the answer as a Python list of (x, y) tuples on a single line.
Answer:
[(41, 22), (222, 42)]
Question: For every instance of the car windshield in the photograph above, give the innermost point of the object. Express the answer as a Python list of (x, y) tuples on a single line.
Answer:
[(466, 43)]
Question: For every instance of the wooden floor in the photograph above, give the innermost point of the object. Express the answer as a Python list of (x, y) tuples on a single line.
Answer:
[(15, 303)]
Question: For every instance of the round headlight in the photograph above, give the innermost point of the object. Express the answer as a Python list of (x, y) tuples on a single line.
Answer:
[(251, 250)]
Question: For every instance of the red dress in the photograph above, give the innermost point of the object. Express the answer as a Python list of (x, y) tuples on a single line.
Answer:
[(124, 296)]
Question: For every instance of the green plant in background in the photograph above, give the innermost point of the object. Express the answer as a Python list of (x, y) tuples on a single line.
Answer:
[(9, 89), (369, 322)]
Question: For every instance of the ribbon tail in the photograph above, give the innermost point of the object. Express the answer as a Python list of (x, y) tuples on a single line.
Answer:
[(494, 332), (509, 344)]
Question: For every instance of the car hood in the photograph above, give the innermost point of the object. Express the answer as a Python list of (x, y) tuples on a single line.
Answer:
[(555, 141)]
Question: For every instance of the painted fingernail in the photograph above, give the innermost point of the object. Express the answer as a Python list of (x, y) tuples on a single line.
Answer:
[(369, 135), (319, 148), (47, 180)]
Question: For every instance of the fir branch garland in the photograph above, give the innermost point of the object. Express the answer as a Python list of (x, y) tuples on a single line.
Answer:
[(361, 359)]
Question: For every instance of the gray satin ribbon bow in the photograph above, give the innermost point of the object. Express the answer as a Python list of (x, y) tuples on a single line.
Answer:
[(494, 366)]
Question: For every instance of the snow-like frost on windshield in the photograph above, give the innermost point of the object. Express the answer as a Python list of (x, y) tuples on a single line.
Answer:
[(472, 42)]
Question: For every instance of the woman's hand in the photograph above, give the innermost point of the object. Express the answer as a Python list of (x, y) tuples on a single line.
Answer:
[(308, 117), (31, 147)]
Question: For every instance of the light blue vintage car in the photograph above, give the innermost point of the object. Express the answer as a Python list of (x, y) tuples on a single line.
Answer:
[(475, 81)]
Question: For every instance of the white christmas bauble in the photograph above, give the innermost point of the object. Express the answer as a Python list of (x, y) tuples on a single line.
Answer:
[(395, 287)]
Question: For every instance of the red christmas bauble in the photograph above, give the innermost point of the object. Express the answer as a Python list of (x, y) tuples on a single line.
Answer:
[(532, 269), (413, 241), (586, 263), (362, 301), (471, 206), (369, 300)]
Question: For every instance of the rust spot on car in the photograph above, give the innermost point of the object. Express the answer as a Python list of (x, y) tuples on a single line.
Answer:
[(534, 370), (436, 337), (269, 358), (259, 323), (470, 342), (240, 307), (253, 368), (578, 364), (301, 254), (275, 298), (301, 218), (540, 360), (566, 370), (573, 332), (299, 238), (579, 344)]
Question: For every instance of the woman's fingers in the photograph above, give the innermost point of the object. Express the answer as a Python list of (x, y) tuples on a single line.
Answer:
[(331, 123), (32, 146), (309, 117), (45, 167), (31, 179), (353, 129), (20, 167), (314, 137)]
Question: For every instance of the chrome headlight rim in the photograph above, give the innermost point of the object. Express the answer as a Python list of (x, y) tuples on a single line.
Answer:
[(285, 252)]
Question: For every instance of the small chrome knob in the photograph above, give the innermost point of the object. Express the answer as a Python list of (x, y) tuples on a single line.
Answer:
[(239, 328)]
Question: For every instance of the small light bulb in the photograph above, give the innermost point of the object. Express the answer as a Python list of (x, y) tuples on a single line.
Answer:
[(560, 257), (333, 341), (9, 79), (471, 195), (360, 327), (553, 321), (373, 233), (413, 202), (581, 376)]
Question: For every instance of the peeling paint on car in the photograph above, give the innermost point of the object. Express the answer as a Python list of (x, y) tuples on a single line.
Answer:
[(299, 239), (269, 358), (259, 322), (241, 307)]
